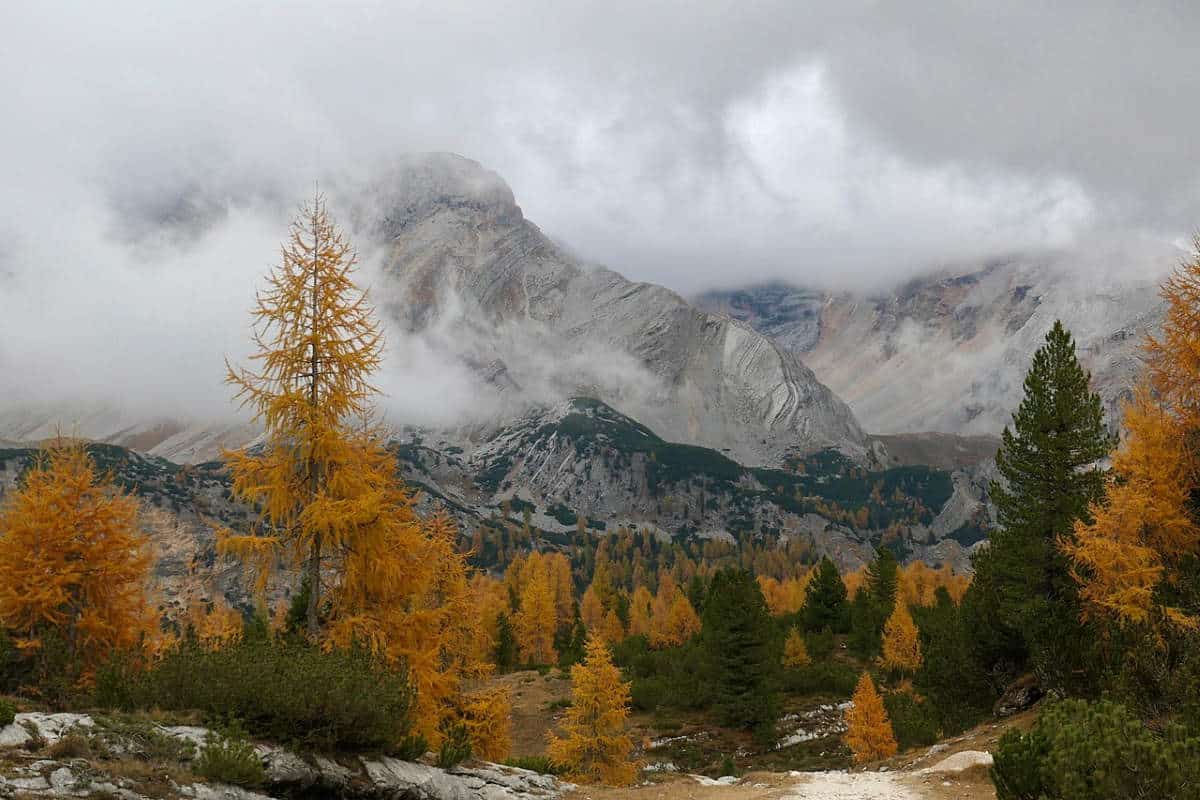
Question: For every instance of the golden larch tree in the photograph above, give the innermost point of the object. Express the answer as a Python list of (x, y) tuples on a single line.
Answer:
[(73, 563), (795, 652), (1145, 530), (869, 732), (317, 345), (487, 715), (596, 746), (535, 621), (901, 643), (677, 626), (327, 489), (640, 610)]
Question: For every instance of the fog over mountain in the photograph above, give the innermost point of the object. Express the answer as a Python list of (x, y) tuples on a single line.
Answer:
[(154, 153)]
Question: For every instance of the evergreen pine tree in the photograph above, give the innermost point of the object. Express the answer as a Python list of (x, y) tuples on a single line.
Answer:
[(740, 652), (864, 631), (949, 676), (1023, 601), (505, 652), (825, 603), (883, 581)]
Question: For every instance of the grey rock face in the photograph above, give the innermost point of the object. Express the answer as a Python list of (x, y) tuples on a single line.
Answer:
[(949, 352), (461, 258), (287, 772)]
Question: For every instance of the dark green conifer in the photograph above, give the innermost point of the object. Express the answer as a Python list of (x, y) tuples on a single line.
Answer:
[(1023, 603), (825, 603), (741, 654), (505, 652)]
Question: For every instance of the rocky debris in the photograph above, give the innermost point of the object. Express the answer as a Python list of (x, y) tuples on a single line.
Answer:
[(1019, 696), (960, 762), (288, 773), (817, 723)]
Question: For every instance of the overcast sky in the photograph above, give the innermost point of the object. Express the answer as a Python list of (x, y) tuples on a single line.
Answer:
[(689, 143)]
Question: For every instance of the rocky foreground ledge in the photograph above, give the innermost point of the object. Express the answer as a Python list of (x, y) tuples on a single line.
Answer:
[(77, 755)]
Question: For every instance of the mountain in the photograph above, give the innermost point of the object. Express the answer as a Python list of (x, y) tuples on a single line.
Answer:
[(949, 352), (582, 468), (461, 261)]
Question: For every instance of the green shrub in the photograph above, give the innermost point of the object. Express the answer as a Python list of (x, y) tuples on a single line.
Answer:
[(540, 764), (8, 712), (229, 757), (728, 767), (286, 691), (914, 722), (1095, 751), (456, 745), (820, 645), (821, 677)]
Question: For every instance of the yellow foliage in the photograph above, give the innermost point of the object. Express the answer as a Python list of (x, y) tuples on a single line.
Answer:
[(854, 581), (72, 561), (535, 621), (678, 625), (786, 596), (317, 346), (1143, 528), (216, 625), (901, 644), (488, 717), (641, 609), (611, 629), (596, 746), (327, 487), (869, 732), (591, 610), (795, 653)]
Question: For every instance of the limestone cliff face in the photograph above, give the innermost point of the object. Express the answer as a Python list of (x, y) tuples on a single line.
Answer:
[(949, 352), (461, 256)]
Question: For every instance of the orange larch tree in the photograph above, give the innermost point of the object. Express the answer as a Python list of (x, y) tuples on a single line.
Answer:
[(1145, 529), (901, 643), (869, 732), (795, 652), (596, 746), (318, 343), (535, 621), (73, 563)]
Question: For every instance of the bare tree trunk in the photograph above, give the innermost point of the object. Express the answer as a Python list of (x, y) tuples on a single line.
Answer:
[(314, 556)]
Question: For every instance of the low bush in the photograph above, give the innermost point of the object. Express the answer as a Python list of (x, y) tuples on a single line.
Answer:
[(820, 645), (915, 721), (8, 712), (282, 690), (1095, 751), (456, 745), (821, 677), (229, 757), (73, 745)]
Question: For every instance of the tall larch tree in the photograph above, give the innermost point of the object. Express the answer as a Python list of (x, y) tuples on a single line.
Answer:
[(901, 642), (869, 732), (73, 564), (595, 746), (326, 486), (317, 346), (1023, 598), (535, 621), (795, 652), (1135, 562)]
